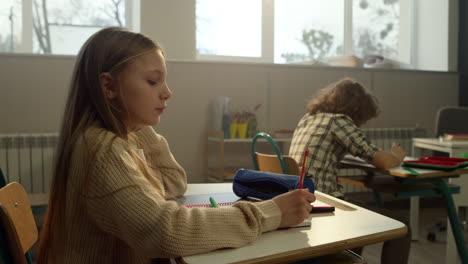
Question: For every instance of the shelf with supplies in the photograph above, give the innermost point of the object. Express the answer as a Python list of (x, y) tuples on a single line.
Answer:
[(226, 155)]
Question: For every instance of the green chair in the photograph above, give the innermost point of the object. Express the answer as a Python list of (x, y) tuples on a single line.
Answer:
[(272, 163), (287, 165)]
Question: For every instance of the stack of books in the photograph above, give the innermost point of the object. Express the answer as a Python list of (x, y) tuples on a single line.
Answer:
[(448, 136), (346, 61), (283, 133)]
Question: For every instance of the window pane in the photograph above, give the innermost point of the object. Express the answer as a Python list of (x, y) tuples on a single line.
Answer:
[(376, 27), (62, 26), (229, 27), (305, 30), (10, 25)]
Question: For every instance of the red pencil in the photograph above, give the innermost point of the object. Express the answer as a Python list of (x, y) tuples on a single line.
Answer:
[(303, 172)]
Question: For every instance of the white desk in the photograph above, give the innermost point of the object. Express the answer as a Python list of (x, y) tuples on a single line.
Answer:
[(350, 226), (454, 149), (436, 179)]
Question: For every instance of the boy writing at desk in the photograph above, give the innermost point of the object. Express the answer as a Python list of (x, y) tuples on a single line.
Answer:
[(330, 130)]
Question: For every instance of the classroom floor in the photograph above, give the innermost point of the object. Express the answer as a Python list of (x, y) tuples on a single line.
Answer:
[(422, 251)]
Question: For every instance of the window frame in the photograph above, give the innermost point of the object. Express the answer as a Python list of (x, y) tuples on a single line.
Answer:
[(267, 42), (406, 38), (132, 20)]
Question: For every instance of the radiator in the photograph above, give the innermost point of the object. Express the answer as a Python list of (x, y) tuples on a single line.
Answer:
[(27, 159), (384, 138)]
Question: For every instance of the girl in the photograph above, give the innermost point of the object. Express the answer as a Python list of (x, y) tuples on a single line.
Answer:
[(113, 174), (330, 129)]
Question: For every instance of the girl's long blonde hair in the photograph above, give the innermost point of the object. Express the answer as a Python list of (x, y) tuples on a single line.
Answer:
[(345, 97), (108, 51)]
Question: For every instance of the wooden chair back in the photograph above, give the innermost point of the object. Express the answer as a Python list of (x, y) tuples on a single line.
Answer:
[(271, 163), (17, 222)]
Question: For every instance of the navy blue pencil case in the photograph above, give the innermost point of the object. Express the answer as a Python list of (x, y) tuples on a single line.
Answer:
[(265, 185)]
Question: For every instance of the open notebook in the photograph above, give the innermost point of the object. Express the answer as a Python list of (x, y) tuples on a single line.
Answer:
[(228, 199), (203, 200), (350, 159)]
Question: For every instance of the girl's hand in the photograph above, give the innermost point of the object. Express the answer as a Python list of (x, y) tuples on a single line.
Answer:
[(295, 206)]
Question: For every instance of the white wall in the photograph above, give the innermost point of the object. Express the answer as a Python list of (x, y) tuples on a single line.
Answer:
[(33, 91), (172, 24)]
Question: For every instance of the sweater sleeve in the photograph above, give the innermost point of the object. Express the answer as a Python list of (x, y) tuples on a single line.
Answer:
[(160, 158), (122, 204)]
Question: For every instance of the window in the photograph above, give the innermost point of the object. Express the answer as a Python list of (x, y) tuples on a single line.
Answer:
[(56, 26), (376, 28), (223, 26), (301, 30), (305, 30), (10, 26)]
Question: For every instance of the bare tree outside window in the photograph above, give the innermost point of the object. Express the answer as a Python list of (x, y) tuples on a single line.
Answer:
[(41, 26), (305, 31), (57, 24), (11, 18), (10, 25), (115, 11), (376, 26), (318, 44), (376, 31)]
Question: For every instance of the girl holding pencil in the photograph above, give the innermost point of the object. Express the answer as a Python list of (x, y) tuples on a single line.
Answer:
[(114, 175)]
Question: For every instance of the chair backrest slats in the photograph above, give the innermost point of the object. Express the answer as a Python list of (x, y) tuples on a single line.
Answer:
[(17, 221), (270, 163)]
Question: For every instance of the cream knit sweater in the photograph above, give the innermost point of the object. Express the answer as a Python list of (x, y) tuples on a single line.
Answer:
[(125, 217)]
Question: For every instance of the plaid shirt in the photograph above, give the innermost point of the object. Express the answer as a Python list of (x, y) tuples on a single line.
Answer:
[(329, 138)]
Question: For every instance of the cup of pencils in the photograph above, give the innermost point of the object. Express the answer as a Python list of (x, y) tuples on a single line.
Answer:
[(242, 130), (233, 130)]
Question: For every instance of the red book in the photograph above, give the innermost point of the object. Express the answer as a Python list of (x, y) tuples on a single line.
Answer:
[(438, 163)]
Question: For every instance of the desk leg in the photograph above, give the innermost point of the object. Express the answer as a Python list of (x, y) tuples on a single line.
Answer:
[(414, 203), (451, 255), (454, 223), (414, 217)]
